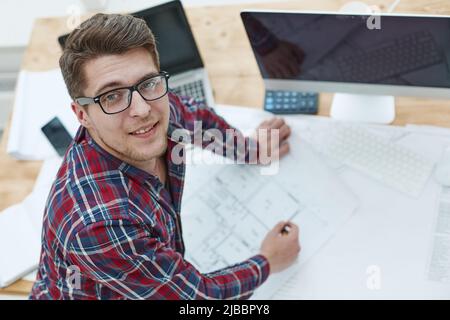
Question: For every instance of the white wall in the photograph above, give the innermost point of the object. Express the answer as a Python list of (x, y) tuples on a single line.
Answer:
[(17, 16)]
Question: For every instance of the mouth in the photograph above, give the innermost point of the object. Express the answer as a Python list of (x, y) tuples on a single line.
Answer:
[(145, 132)]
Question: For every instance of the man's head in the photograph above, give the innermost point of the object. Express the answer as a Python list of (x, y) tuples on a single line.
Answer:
[(105, 53)]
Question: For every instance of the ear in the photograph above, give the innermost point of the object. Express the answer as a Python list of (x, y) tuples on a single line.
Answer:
[(81, 114)]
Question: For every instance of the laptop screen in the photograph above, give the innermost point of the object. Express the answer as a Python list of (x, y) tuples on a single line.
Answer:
[(177, 49)]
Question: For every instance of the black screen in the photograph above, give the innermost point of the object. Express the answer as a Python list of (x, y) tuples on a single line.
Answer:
[(394, 50), (58, 135), (176, 45)]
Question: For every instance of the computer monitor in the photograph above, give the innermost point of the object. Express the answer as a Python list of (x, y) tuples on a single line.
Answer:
[(366, 63)]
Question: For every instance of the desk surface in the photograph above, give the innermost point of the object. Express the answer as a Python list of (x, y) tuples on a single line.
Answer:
[(232, 69)]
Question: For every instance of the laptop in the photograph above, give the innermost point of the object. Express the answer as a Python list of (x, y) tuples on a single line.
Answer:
[(178, 52)]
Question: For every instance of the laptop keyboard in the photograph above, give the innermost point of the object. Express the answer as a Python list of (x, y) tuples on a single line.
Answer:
[(400, 56), (193, 89)]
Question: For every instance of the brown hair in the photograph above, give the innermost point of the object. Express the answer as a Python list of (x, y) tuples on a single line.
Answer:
[(102, 34)]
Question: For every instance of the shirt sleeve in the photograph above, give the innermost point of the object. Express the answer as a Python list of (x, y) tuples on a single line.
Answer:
[(209, 130), (126, 258)]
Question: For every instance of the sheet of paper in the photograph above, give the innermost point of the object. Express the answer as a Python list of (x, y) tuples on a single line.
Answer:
[(21, 227), (439, 264), (228, 209), (383, 251), (47, 173), (39, 97), (19, 244), (31, 276)]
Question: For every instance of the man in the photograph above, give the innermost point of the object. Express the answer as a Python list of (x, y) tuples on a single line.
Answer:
[(111, 224)]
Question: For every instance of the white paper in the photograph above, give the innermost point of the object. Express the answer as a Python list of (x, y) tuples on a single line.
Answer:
[(31, 276), (387, 239), (228, 209), (439, 265), (21, 228), (19, 245), (39, 97)]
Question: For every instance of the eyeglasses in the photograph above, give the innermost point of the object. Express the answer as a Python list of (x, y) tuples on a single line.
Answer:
[(119, 99)]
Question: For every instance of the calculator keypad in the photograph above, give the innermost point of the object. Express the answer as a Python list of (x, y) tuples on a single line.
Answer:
[(290, 102)]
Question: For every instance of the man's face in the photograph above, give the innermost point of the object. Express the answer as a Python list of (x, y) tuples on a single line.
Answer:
[(118, 133)]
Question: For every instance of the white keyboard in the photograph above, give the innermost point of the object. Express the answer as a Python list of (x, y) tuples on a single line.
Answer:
[(394, 165)]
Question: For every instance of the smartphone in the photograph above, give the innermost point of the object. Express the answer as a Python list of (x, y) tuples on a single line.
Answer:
[(58, 135)]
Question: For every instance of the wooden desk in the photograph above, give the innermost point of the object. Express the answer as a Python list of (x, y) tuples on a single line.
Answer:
[(233, 72)]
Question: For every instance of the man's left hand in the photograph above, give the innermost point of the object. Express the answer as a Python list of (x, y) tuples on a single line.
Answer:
[(266, 145)]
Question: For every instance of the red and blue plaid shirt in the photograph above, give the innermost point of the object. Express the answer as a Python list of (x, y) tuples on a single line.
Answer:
[(112, 231)]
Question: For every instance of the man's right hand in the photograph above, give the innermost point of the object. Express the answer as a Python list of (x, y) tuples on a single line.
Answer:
[(281, 248)]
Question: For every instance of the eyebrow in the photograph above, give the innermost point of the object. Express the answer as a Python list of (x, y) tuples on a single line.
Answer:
[(117, 84)]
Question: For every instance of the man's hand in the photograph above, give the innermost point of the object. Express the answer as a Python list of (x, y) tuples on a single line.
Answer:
[(281, 247), (265, 142)]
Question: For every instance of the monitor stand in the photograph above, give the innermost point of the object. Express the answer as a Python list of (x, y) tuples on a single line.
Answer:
[(363, 108), (356, 7), (357, 107)]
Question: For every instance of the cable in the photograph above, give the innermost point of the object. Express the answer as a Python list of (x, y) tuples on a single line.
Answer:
[(393, 6)]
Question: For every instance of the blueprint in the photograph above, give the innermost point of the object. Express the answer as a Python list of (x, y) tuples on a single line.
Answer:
[(228, 209)]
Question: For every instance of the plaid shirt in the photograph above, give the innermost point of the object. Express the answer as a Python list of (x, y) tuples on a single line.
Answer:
[(112, 231)]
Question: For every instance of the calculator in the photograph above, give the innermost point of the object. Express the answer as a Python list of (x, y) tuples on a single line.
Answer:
[(291, 102)]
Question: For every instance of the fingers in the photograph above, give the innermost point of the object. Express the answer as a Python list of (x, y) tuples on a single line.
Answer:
[(277, 123), (274, 148), (278, 227), (285, 132), (271, 121), (286, 228), (283, 149), (292, 234), (294, 230), (280, 124)]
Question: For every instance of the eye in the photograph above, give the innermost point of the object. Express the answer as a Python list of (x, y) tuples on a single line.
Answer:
[(112, 96), (151, 84)]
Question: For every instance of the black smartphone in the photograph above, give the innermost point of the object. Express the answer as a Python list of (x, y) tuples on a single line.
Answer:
[(58, 135)]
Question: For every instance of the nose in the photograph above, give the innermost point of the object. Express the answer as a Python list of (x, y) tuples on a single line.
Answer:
[(139, 107)]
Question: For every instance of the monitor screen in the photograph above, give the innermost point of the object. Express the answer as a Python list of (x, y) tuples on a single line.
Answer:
[(394, 50), (177, 49)]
